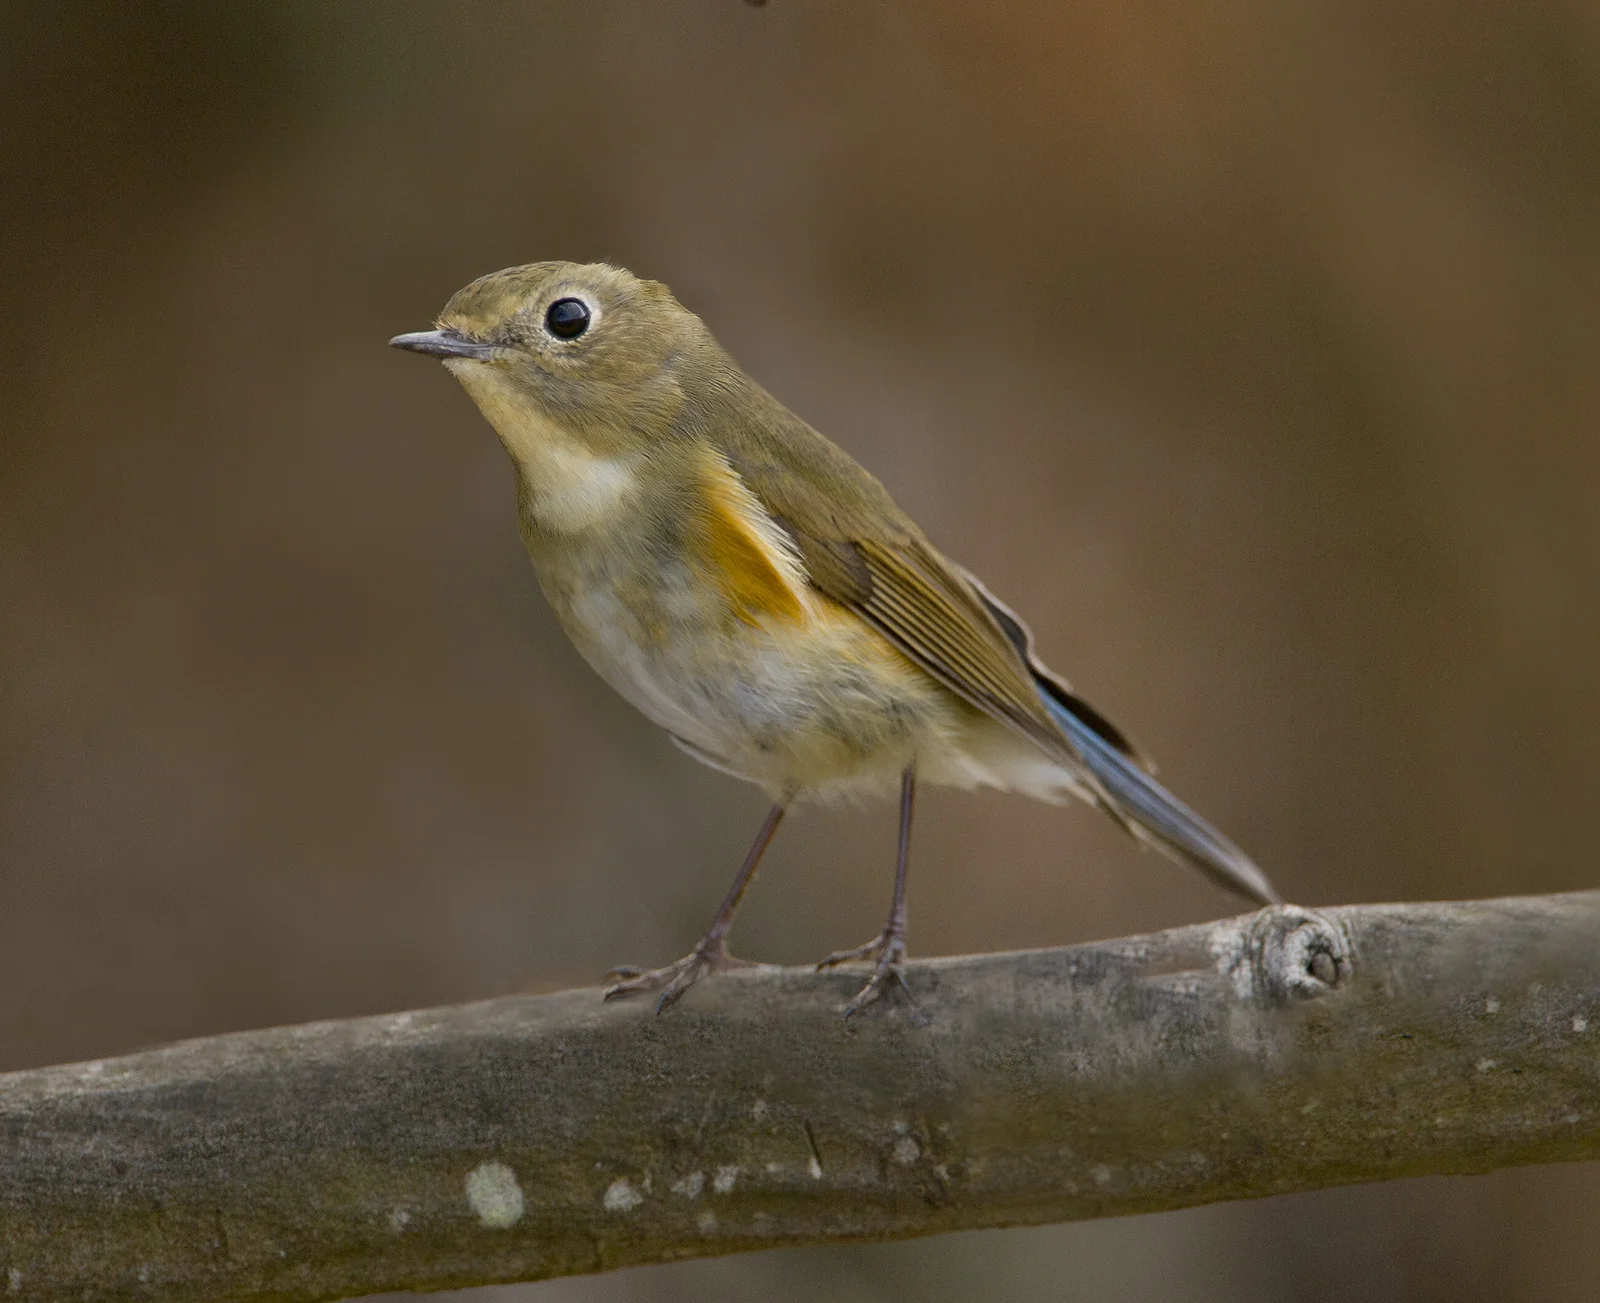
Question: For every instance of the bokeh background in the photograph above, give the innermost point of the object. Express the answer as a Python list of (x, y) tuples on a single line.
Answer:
[(1252, 350)]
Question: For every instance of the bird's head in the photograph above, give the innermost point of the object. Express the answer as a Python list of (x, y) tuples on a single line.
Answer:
[(580, 352)]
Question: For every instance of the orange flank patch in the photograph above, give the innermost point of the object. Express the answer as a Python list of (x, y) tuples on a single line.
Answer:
[(744, 552)]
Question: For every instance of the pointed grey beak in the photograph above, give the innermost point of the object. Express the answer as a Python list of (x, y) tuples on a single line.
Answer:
[(444, 343)]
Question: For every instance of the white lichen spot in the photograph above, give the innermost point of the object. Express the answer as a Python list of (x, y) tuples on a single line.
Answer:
[(815, 1168), (494, 1194), (1101, 1174), (144, 1273), (1580, 1023), (1230, 950), (906, 1151), (1310, 1106), (706, 1221), (399, 1219), (621, 1197), (758, 1110), (1488, 1065), (1491, 1005), (13, 1281), (726, 1178), (690, 1186), (941, 1171), (772, 1169), (1572, 1119), (899, 1128)]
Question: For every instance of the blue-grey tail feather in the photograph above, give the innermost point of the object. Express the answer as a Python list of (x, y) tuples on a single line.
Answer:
[(1153, 813)]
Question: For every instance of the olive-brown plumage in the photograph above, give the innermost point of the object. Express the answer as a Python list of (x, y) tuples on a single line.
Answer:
[(748, 586)]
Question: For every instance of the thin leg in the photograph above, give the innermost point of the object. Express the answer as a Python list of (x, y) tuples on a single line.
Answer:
[(888, 948), (712, 952)]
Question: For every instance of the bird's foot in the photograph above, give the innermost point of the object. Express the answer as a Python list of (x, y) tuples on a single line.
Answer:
[(676, 978), (888, 951)]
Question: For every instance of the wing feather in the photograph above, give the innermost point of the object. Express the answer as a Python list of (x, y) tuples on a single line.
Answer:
[(861, 550)]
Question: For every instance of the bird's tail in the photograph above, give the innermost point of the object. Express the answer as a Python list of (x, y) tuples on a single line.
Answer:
[(1146, 808), (1126, 790)]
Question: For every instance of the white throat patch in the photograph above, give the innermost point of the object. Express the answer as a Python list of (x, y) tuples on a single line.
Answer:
[(571, 489)]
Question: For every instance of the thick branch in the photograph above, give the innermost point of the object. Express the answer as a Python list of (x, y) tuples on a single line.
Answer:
[(537, 1136)]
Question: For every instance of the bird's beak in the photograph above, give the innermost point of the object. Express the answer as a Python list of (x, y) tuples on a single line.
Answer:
[(445, 343)]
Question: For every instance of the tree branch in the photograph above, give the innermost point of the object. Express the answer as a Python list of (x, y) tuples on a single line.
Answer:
[(539, 1136)]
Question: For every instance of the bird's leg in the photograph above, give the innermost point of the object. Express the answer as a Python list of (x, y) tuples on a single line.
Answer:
[(888, 948), (712, 952)]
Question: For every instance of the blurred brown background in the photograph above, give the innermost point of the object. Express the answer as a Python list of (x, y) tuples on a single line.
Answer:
[(1249, 349)]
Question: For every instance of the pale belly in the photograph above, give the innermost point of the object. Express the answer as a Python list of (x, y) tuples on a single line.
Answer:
[(820, 706)]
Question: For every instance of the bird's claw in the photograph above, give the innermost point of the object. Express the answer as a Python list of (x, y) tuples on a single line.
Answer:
[(856, 956), (887, 977), (888, 948), (675, 978)]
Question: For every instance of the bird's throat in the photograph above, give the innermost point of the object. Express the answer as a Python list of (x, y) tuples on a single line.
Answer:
[(568, 487)]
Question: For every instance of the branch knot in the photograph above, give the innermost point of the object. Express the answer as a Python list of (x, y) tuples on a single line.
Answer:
[(1296, 955)]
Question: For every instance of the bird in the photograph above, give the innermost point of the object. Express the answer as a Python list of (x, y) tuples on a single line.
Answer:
[(755, 592)]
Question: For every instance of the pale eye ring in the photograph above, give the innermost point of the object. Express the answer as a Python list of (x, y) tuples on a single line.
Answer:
[(567, 318)]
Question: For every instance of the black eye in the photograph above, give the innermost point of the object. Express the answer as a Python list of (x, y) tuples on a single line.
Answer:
[(567, 318)]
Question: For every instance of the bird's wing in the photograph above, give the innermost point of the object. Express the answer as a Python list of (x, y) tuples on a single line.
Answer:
[(1056, 688), (861, 550)]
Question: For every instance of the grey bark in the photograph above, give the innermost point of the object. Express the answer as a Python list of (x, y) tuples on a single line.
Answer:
[(538, 1136)]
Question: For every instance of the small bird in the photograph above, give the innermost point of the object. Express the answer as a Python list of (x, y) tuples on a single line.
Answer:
[(750, 588)]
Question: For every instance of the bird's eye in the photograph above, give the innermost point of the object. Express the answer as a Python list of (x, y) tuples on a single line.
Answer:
[(567, 318)]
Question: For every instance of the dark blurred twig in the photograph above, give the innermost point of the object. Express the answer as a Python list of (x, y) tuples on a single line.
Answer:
[(537, 1136)]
